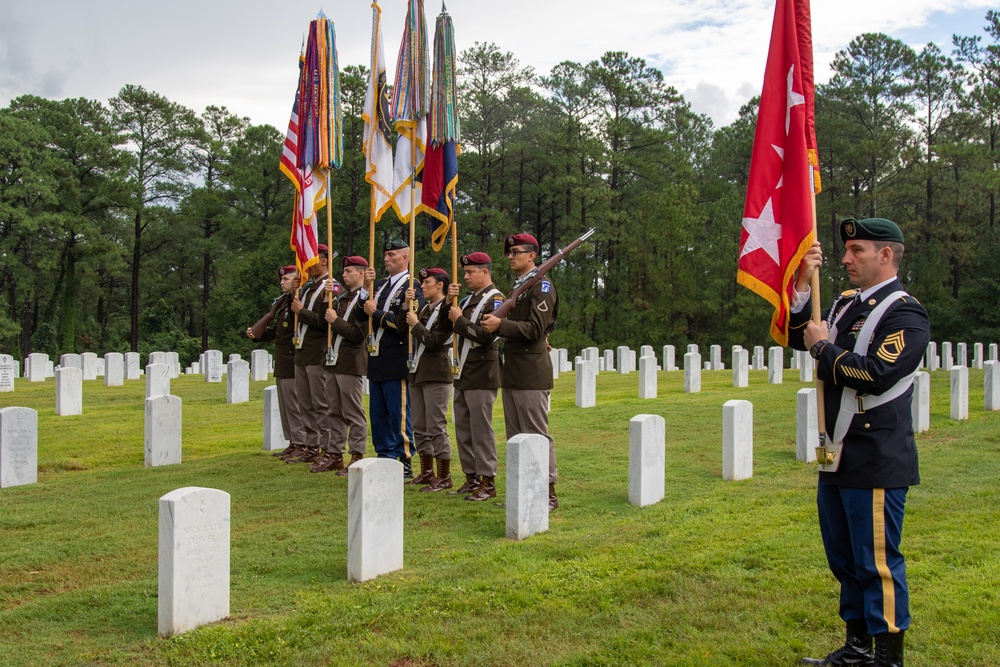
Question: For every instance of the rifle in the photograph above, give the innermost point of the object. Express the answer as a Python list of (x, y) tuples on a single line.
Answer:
[(257, 330), (504, 308)]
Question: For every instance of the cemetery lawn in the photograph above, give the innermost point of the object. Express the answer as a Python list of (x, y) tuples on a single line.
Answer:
[(719, 573)]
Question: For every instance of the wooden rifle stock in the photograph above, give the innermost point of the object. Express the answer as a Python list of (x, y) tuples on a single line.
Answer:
[(504, 308), (258, 329)]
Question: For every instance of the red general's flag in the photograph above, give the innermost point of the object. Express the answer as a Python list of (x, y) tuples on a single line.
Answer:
[(778, 216)]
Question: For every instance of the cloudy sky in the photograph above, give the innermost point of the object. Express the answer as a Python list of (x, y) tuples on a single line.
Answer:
[(243, 54)]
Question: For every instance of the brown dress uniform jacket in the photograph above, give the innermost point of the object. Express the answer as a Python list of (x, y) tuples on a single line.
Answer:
[(281, 330), (526, 363), (482, 363), (435, 361), (352, 355), (313, 350)]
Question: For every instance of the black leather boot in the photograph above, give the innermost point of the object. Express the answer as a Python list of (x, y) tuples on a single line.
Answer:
[(889, 649), (856, 651)]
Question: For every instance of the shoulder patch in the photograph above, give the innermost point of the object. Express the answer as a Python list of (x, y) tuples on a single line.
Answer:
[(546, 286), (496, 302)]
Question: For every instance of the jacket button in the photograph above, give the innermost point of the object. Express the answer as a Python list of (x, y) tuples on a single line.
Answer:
[(868, 425)]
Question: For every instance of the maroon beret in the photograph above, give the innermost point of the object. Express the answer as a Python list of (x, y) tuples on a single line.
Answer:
[(518, 239), (355, 260), (285, 270), (436, 273), (476, 259), (322, 249)]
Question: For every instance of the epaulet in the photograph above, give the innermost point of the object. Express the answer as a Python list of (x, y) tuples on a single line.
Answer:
[(908, 298), (850, 293)]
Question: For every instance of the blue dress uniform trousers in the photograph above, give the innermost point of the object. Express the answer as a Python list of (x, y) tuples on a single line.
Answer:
[(861, 531), (392, 433)]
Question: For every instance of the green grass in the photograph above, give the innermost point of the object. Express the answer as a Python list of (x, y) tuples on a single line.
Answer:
[(719, 573)]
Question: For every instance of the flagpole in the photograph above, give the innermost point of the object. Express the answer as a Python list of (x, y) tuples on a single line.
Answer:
[(817, 317), (371, 260), (329, 258)]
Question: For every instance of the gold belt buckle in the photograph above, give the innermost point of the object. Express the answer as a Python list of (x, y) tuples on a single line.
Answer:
[(824, 456)]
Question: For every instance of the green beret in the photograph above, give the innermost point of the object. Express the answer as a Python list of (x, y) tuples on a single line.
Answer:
[(870, 229)]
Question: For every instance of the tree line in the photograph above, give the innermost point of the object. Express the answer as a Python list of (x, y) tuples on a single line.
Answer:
[(138, 224)]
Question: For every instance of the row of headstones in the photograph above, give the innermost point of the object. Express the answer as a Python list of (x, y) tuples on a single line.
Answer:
[(587, 370), (945, 361), (646, 432), (69, 385), (116, 367), (194, 531)]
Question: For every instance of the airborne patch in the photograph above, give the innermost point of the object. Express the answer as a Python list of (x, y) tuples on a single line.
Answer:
[(497, 302), (546, 286), (891, 348)]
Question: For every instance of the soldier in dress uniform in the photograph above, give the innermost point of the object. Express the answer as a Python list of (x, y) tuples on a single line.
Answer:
[(388, 351), (310, 365), (282, 331), (526, 371), (347, 364), (867, 348), (430, 379), (478, 376)]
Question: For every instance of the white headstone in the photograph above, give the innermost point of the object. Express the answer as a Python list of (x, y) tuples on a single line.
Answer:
[(737, 440), (69, 391), (162, 430), (991, 386), (374, 518), (7, 375), (274, 437), (174, 364), (805, 366), (196, 368), (233, 357), (715, 354), (806, 426), (669, 358), (775, 364), (19, 447), (693, 347), (157, 358), (624, 360), (646, 459), (114, 369), (609, 360), (564, 365), (758, 358), (633, 362), (554, 360), (193, 582), (959, 393), (977, 356), (692, 373), (961, 354), (50, 368), (258, 365), (100, 367), (931, 358), (993, 352), (157, 380), (586, 385), (71, 360), (213, 366), (36, 367), (131, 365), (920, 405), (527, 484), (646, 351), (647, 377), (794, 365), (238, 382), (947, 361), (741, 368)]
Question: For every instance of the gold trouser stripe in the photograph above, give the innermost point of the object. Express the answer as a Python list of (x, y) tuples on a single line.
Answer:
[(402, 419), (888, 586)]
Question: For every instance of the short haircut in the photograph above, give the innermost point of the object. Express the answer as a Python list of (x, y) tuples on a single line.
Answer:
[(895, 247)]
